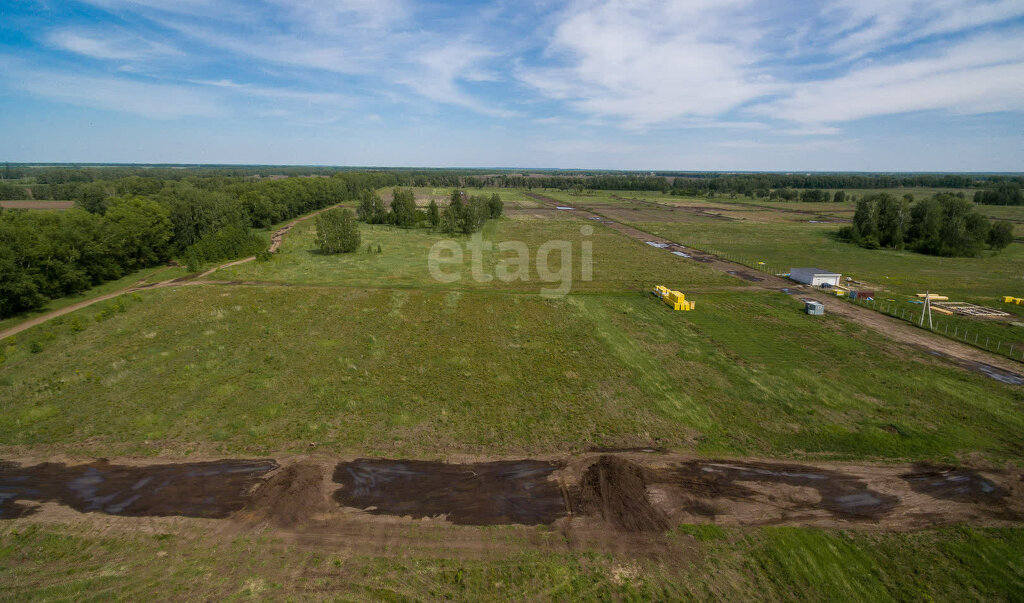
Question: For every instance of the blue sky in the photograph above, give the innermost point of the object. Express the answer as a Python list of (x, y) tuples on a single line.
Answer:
[(872, 85)]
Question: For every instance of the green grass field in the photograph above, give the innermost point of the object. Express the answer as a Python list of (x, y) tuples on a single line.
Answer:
[(700, 563), (367, 354), (619, 264), (424, 373)]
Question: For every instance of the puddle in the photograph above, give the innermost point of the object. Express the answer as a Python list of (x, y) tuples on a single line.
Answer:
[(745, 276), (963, 485), (212, 489), (503, 492), (842, 495), (980, 367), (648, 450)]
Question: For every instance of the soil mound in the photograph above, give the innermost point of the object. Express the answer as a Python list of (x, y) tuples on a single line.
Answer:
[(288, 498), (616, 489)]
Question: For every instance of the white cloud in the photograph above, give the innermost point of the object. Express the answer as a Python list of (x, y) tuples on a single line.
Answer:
[(378, 40), (159, 101), (325, 98), (107, 44), (650, 61), (977, 76), (865, 26)]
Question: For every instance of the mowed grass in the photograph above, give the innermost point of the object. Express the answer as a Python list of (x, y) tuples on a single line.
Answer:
[(618, 263), (258, 370), (902, 274), (68, 563)]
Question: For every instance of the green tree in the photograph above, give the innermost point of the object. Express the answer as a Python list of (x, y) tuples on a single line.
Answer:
[(865, 223), (1001, 235), (495, 206), (433, 214), (337, 231), (893, 221), (1003, 193), (368, 206), (839, 196), (140, 230), (403, 207)]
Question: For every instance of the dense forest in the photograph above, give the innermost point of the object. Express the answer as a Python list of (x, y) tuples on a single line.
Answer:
[(45, 255), (944, 225)]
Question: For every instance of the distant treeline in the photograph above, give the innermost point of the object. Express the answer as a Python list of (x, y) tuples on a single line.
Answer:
[(45, 255), (73, 183), (944, 225)]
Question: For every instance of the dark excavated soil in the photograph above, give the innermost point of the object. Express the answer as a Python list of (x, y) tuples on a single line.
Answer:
[(616, 490), (961, 485), (840, 494), (213, 489), (501, 492)]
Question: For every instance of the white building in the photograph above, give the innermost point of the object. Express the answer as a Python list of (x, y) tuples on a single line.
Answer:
[(814, 277)]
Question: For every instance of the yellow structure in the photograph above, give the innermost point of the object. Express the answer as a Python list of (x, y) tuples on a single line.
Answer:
[(674, 298), (1013, 300)]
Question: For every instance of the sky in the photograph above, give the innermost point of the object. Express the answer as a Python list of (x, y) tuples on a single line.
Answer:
[(823, 85)]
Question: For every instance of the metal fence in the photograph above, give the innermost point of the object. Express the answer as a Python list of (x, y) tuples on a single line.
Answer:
[(986, 342)]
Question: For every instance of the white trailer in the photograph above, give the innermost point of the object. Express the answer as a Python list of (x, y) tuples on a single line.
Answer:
[(814, 277)]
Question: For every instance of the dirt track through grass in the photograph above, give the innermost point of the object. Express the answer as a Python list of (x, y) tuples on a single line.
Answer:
[(276, 241), (965, 356)]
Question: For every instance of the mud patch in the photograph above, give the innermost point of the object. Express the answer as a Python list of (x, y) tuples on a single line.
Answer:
[(502, 492), (289, 498), (646, 450), (961, 485), (988, 370), (843, 496), (616, 490), (211, 490), (745, 276)]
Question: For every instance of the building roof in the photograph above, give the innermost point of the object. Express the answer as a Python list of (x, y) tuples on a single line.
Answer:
[(816, 271)]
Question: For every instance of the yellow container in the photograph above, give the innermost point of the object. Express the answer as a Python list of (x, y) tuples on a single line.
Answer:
[(693, 305), (1009, 300)]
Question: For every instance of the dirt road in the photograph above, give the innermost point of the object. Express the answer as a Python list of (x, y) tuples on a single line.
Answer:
[(971, 358), (275, 243)]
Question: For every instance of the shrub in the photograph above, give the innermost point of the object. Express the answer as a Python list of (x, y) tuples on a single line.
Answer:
[(35, 347)]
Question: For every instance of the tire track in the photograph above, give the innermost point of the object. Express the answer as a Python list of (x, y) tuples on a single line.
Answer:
[(970, 358)]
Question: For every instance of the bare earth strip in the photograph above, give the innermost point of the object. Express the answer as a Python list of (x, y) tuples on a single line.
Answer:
[(596, 497), (276, 240), (966, 356)]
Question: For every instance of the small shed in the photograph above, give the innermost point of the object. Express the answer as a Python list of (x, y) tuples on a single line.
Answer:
[(814, 308), (814, 277)]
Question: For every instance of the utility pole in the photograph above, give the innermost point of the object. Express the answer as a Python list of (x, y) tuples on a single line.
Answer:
[(927, 310)]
